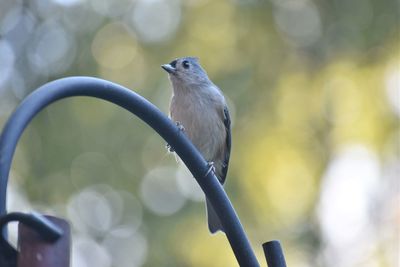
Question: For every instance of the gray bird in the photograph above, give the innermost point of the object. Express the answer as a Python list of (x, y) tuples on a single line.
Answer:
[(199, 109)]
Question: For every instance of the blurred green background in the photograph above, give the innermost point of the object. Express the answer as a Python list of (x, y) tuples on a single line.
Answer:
[(314, 92)]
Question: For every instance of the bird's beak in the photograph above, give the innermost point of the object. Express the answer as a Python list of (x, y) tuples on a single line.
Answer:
[(168, 68)]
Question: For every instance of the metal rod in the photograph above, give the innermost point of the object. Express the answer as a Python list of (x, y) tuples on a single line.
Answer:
[(8, 254), (35, 251), (150, 114), (274, 254)]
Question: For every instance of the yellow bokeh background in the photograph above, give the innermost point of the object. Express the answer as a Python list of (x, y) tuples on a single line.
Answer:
[(314, 93)]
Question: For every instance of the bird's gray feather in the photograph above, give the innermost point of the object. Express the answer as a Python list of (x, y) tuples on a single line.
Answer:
[(227, 123), (200, 107)]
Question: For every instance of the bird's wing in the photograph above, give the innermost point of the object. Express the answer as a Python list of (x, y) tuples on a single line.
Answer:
[(227, 123)]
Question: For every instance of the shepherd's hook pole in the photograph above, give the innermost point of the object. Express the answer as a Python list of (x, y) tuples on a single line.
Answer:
[(150, 114)]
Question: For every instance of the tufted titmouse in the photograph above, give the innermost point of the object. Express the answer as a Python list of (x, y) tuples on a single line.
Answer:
[(199, 108)]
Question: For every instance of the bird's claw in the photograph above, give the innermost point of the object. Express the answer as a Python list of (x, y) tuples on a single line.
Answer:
[(211, 167), (181, 129), (180, 126), (169, 148)]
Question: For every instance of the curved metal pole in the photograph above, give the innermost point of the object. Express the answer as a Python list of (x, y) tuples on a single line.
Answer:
[(150, 114)]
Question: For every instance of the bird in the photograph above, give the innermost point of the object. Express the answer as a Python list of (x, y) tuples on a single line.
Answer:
[(200, 110)]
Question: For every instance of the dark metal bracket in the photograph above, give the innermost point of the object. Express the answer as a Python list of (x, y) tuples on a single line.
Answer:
[(46, 229)]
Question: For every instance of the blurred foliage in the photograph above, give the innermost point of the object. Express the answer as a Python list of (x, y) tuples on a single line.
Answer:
[(314, 92)]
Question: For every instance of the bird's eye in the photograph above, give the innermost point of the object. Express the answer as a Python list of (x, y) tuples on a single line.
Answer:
[(185, 64)]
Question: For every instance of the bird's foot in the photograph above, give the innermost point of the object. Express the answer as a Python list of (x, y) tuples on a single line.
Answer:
[(169, 148), (180, 126), (181, 129), (211, 167)]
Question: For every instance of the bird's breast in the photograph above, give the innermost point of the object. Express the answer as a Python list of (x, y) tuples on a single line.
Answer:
[(202, 122)]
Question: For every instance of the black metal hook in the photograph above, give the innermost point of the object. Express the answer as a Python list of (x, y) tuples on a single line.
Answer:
[(150, 114), (87, 86)]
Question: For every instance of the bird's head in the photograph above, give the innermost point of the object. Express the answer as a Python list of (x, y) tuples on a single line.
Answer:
[(186, 71)]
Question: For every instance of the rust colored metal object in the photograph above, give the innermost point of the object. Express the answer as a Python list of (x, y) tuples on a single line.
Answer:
[(35, 251)]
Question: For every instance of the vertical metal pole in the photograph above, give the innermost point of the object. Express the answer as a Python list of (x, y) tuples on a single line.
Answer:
[(8, 255), (274, 254), (34, 251)]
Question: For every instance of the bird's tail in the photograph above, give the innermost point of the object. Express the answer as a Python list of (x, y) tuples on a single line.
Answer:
[(214, 224)]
